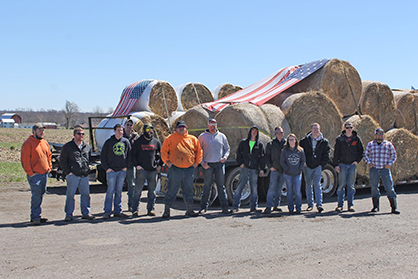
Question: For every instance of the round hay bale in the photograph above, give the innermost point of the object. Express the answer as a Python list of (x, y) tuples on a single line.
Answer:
[(192, 94), (196, 119), (365, 126), (275, 117), (407, 108), (224, 90), (377, 101), (339, 80), (303, 109), (279, 99), (406, 146), (235, 121), (155, 95), (161, 128), (176, 116)]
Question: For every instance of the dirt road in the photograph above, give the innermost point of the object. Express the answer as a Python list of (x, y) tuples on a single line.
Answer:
[(310, 245)]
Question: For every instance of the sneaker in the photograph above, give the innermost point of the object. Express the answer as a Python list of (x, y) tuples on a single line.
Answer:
[(278, 209), (339, 209), (351, 209), (203, 210), (191, 213), (267, 210), (253, 210), (121, 215), (88, 217), (68, 218), (36, 222), (309, 208), (106, 216), (320, 209), (41, 220), (151, 213), (298, 212), (135, 214), (235, 210), (166, 215), (226, 211)]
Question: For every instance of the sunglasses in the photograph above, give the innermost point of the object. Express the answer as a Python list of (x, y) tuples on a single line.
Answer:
[(80, 134), (349, 127), (149, 129), (379, 133), (181, 127), (128, 125)]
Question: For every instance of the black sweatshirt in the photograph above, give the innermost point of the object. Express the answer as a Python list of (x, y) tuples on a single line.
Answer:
[(146, 153), (115, 153)]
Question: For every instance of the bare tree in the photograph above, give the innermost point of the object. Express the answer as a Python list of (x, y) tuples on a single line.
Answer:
[(70, 111)]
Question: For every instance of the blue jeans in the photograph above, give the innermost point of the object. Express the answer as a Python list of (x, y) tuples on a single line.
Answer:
[(385, 174), (219, 170), (130, 176), (293, 184), (274, 193), (245, 175), (37, 185), (346, 177), (151, 178), (180, 177), (313, 181), (114, 188), (82, 183)]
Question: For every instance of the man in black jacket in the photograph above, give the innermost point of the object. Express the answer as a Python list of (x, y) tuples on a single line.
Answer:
[(273, 152), (250, 158), (74, 159), (348, 152), (131, 135), (147, 161), (317, 150)]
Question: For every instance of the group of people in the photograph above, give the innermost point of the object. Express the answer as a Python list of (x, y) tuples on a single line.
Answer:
[(127, 157)]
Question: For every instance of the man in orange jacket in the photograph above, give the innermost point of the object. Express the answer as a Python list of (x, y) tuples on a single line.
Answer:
[(182, 153), (36, 161)]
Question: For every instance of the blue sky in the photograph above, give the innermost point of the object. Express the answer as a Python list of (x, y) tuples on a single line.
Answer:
[(88, 51)]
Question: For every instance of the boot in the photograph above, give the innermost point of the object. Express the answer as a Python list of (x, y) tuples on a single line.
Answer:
[(166, 213), (394, 205), (190, 212), (375, 205)]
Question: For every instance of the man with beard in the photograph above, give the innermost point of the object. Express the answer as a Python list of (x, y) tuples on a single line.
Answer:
[(147, 162), (131, 135)]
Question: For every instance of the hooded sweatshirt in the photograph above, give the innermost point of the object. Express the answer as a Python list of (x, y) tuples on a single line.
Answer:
[(347, 152), (292, 160), (115, 153), (146, 152), (316, 150), (36, 156), (181, 150), (252, 159)]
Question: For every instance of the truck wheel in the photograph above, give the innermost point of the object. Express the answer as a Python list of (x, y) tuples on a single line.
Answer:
[(231, 183), (329, 181)]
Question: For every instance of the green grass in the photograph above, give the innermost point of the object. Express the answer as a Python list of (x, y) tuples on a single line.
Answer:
[(11, 172), (11, 145)]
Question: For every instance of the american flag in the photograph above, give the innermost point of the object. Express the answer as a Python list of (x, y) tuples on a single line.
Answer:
[(267, 88), (130, 96)]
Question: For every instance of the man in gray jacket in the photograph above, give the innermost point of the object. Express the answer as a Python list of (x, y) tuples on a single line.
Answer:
[(216, 149)]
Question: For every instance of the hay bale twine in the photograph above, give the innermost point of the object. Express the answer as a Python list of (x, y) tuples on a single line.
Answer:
[(235, 121), (161, 128), (407, 109), (191, 94), (196, 119), (365, 126), (406, 146), (224, 90), (275, 117), (339, 80), (156, 96), (378, 102), (303, 109)]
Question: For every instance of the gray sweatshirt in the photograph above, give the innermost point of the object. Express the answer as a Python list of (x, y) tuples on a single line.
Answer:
[(292, 161), (215, 146)]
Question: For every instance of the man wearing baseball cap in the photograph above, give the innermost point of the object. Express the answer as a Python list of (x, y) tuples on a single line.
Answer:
[(380, 155), (36, 161)]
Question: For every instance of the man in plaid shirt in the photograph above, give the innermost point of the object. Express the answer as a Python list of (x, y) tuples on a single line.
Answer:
[(380, 155)]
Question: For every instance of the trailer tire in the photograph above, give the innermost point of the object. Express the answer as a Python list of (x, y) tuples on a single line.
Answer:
[(329, 181), (231, 183)]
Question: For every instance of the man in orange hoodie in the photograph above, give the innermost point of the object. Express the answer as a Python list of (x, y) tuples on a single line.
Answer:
[(36, 161), (181, 153)]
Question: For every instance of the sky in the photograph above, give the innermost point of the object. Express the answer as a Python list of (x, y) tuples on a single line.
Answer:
[(86, 52)]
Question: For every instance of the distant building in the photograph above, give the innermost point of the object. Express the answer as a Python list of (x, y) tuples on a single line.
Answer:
[(16, 117), (8, 123)]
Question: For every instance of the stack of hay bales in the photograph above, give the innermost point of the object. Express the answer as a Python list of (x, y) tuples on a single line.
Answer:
[(407, 108), (224, 90), (191, 94), (196, 119), (172, 120), (275, 118), (158, 97), (161, 129), (378, 102)]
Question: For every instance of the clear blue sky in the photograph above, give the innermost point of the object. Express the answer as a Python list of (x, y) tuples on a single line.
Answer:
[(88, 51)]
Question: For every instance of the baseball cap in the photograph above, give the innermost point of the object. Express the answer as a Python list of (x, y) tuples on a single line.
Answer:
[(378, 130), (38, 126), (212, 120), (181, 123)]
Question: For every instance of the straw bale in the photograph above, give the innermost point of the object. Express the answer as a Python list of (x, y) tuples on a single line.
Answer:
[(339, 80), (407, 108), (176, 116), (303, 109), (377, 101), (275, 117), (161, 128), (161, 99), (406, 146), (196, 119), (224, 90), (365, 126), (236, 120), (193, 94)]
